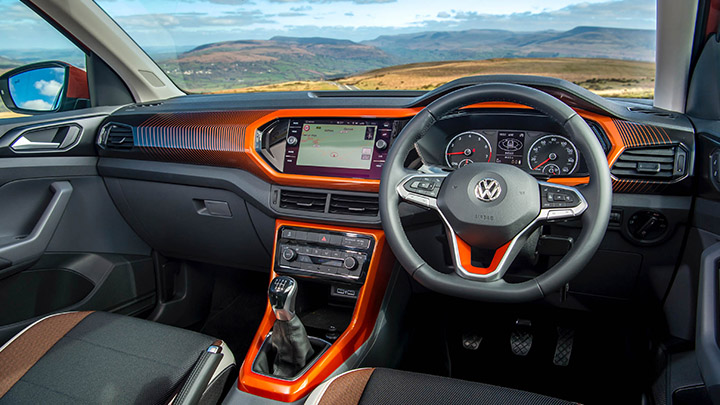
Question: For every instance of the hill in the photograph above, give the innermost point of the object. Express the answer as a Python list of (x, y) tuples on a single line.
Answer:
[(232, 64), (616, 78), (580, 42), (251, 63), (7, 64)]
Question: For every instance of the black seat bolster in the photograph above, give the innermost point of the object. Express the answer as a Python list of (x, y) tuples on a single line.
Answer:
[(386, 386), (108, 358)]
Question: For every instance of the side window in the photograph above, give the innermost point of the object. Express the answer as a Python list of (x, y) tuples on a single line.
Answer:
[(41, 71)]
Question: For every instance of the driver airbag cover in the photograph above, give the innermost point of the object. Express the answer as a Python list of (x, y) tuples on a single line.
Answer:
[(489, 223)]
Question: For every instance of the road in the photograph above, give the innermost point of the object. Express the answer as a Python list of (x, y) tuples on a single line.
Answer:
[(346, 87)]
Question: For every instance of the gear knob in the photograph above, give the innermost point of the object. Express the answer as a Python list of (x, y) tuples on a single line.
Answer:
[(282, 293)]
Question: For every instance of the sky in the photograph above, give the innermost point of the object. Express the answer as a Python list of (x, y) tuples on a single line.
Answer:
[(183, 23)]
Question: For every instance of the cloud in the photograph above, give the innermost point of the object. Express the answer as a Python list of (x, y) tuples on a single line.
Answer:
[(335, 1), (291, 14), (37, 105), (617, 13), (49, 88), (193, 20)]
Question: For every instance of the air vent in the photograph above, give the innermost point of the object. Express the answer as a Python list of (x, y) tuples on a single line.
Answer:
[(353, 205), (118, 137), (600, 135), (660, 163), (151, 104), (302, 200), (651, 111)]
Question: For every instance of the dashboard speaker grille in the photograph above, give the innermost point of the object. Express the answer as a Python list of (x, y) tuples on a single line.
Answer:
[(303, 200), (354, 205)]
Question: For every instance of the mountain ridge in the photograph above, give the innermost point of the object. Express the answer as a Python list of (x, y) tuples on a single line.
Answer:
[(243, 63)]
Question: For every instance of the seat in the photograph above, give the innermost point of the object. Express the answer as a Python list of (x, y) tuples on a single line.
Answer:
[(98, 357), (386, 386)]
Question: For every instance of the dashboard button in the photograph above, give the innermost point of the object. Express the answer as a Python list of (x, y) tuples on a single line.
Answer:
[(381, 144), (292, 140)]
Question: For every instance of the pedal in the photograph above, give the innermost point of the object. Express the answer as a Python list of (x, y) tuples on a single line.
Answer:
[(521, 338), (471, 341), (563, 348)]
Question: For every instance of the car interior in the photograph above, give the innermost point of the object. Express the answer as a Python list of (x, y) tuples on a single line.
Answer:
[(496, 239)]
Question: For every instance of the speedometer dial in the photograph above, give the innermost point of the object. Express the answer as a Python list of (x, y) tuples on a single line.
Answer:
[(553, 155), (467, 147)]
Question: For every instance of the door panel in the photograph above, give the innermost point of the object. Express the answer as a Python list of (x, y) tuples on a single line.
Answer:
[(63, 244)]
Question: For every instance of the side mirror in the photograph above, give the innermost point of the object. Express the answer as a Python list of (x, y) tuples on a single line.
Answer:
[(45, 87)]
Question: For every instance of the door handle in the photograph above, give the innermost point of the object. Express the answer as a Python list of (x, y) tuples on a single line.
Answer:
[(23, 143), (56, 138), (32, 246)]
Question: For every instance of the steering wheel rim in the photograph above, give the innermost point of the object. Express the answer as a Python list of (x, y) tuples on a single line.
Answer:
[(597, 195)]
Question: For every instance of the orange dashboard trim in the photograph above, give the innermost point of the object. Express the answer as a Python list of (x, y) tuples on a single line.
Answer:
[(285, 179), (228, 139), (360, 328)]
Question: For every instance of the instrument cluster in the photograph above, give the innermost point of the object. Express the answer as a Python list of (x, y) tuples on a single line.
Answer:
[(537, 152)]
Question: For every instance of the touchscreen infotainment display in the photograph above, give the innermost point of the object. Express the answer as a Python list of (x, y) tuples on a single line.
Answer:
[(340, 146)]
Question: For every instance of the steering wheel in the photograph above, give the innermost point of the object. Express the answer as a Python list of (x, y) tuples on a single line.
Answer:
[(495, 207)]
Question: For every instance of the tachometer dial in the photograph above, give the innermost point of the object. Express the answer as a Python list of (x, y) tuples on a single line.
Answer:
[(467, 148), (553, 155)]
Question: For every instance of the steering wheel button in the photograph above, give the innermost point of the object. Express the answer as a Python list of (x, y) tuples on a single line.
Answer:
[(555, 214), (419, 200)]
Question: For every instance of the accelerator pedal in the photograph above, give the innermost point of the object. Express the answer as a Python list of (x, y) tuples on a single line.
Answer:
[(564, 346), (521, 338)]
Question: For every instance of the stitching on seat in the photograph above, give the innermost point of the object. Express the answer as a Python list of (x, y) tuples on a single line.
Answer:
[(123, 352), (52, 390)]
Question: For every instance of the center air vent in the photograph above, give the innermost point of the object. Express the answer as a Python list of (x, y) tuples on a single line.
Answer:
[(353, 205), (118, 137), (302, 200), (660, 163)]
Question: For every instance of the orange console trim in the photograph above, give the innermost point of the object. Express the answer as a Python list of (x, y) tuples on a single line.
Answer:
[(357, 333)]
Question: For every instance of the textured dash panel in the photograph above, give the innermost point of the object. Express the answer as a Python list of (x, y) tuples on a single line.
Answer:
[(635, 135), (207, 138)]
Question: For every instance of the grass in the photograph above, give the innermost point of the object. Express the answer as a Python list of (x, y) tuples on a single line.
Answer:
[(287, 86), (607, 77)]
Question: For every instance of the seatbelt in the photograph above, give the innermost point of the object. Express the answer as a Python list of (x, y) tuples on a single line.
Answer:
[(200, 376)]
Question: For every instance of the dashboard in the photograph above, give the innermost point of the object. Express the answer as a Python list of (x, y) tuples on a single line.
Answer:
[(323, 142), (357, 148)]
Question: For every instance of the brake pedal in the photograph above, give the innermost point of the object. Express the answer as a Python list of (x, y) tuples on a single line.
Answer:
[(471, 341), (521, 338), (563, 348)]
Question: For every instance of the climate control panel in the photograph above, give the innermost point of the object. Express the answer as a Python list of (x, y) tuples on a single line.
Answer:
[(331, 255)]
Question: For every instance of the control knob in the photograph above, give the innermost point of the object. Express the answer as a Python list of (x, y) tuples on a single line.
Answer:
[(350, 263), (292, 140), (381, 144), (289, 254)]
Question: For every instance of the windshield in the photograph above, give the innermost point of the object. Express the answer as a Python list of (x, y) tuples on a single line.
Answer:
[(227, 46)]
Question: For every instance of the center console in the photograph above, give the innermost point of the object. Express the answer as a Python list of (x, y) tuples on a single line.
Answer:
[(341, 275), (323, 254), (331, 147)]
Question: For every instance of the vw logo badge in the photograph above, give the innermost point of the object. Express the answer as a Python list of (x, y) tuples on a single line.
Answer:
[(488, 190)]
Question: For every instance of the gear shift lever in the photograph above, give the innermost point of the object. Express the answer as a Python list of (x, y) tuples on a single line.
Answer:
[(289, 339), (282, 294)]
